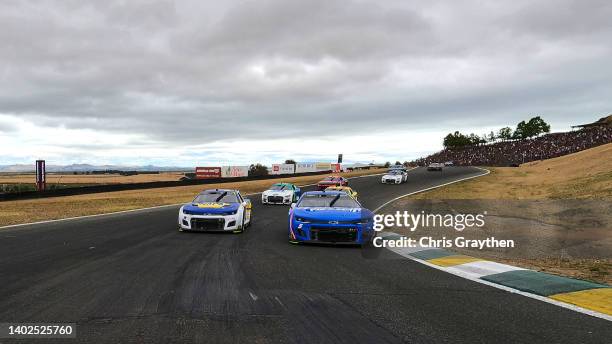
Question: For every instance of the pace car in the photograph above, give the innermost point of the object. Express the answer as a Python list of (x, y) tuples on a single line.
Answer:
[(332, 181), (281, 193), (346, 189), (394, 176), (216, 210), (330, 217)]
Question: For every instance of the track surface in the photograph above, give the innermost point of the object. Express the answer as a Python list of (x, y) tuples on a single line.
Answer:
[(134, 278)]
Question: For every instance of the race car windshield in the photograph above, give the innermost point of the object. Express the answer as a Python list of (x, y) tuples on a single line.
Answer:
[(229, 197), (330, 179), (322, 201), (278, 187)]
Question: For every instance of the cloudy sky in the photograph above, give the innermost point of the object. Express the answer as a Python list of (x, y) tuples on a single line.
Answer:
[(197, 82)]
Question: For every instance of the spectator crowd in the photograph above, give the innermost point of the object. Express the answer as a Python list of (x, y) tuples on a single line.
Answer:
[(516, 152)]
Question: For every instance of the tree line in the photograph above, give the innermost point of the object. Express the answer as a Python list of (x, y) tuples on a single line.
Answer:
[(534, 127)]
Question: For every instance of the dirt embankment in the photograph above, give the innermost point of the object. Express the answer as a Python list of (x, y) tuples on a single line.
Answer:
[(558, 212)]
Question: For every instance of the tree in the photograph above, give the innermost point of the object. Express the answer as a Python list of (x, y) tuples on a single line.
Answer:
[(538, 126), (398, 163), (491, 137), (522, 131), (258, 170), (534, 127), (505, 133), (476, 140), (290, 161), (387, 164), (455, 140)]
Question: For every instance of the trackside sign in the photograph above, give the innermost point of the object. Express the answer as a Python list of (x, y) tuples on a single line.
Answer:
[(208, 172), (234, 171), (283, 169), (302, 167)]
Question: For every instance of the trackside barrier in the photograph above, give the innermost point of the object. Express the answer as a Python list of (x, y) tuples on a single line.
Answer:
[(82, 190)]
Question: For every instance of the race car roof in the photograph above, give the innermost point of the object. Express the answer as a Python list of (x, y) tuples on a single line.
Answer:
[(330, 193)]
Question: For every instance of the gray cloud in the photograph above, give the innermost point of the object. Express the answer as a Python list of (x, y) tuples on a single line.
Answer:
[(182, 73)]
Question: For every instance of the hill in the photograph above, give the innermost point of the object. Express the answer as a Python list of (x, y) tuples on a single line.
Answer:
[(586, 174), (515, 152)]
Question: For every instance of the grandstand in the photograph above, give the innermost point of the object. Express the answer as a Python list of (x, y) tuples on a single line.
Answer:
[(516, 152)]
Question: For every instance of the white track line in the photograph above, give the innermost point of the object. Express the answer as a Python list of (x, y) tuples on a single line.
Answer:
[(139, 209), (470, 277)]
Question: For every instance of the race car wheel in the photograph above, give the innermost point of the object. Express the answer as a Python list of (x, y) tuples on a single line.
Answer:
[(242, 226), (250, 221)]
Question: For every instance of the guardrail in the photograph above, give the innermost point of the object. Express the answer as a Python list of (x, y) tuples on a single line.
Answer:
[(82, 190)]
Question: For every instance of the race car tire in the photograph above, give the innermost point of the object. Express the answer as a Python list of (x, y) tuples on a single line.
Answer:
[(242, 227)]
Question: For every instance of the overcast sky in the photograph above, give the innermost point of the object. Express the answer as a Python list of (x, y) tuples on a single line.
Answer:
[(216, 82)]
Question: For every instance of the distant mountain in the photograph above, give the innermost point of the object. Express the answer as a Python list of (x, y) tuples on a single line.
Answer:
[(88, 167)]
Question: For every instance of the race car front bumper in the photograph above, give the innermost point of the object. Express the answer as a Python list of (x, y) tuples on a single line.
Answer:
[(272, 199), (391, 180), (210, 223), (350, 234)]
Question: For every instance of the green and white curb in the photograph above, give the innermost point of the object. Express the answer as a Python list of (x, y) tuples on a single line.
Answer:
[(582, 296)]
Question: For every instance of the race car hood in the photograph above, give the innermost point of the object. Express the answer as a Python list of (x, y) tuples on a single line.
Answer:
[(395, 176), (278, 192), (210, 208), (331, 214)]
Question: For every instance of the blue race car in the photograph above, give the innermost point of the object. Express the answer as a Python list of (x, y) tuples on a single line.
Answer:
[(216, 210), (330, 217)]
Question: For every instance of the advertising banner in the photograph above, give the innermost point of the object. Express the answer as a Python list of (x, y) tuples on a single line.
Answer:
[(234, 171), (323, 166), (208, 172), (282, 169), (303, 167), (336, 168)]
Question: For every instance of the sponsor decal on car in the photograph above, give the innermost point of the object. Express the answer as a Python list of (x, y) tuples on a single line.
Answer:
[(212, 205)]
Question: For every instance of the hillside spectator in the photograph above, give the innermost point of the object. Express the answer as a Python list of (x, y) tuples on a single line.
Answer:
[(516, 152)]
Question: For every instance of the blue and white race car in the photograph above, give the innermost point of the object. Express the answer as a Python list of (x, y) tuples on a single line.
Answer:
[(216, 210), (330, 217)]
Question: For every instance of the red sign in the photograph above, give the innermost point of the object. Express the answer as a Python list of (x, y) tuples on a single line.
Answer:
[(208, 172), (336, 168), (41, 175)]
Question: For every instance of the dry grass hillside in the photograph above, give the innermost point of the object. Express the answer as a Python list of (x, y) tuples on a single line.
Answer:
[(586, 174), (558, 211)]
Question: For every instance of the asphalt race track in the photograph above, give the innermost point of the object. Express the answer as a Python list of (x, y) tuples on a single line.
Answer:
[(133, 277)]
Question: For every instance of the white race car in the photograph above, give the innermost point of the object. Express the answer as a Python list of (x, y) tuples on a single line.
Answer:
[(435, 166), (395, 176), (281, 193), (216, 210)]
